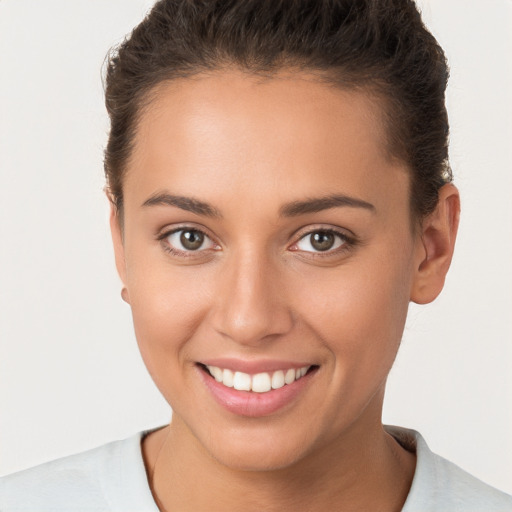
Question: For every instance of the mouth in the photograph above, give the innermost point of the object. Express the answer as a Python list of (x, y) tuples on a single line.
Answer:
[(262, 382), (255, 393)]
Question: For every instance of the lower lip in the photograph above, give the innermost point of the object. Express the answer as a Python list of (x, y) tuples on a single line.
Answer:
[(250, 403)]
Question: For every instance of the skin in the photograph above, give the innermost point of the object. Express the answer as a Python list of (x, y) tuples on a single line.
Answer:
[(248, 146)]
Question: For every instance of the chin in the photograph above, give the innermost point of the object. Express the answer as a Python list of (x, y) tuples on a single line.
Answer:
[(258, 451), (259, 459)]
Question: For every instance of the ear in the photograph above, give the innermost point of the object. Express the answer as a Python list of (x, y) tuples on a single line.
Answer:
[(435, 245), (117, 240)]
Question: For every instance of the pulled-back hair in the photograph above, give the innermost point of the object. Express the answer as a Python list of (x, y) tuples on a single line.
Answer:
[(380, 46)]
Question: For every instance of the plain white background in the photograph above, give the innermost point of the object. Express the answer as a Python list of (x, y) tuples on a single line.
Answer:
[(70, 373)]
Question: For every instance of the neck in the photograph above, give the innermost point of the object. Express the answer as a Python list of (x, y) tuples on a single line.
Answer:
[(372, 475)]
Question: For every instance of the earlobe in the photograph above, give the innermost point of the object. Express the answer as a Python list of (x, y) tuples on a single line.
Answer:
[(124, 295), (435, 246), (117, 240)]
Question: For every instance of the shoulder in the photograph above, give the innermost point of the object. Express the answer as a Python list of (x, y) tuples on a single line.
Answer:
[(106, 478), (439, 484)]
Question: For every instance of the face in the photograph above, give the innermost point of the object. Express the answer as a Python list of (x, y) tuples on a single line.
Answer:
[(267, 245)]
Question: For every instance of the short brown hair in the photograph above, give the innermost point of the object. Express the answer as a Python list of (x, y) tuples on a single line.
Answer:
[(379, 45)]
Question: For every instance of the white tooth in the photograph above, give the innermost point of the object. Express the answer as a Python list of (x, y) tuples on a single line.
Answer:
[(261, 383), (290, 376), (278, 379), (216, 372), (297, 374), (304, 370), (227, 378), (242, 381)]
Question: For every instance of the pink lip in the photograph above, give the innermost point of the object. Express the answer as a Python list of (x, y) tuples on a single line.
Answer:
[(251, 404), (254, 367)]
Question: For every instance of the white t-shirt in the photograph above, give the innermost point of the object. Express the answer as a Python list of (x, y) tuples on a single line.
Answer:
[(112, 478)]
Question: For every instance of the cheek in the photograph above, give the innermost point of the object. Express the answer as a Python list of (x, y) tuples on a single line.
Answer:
[(168, 305), (359, 313)]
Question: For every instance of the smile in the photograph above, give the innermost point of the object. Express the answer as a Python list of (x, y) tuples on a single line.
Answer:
[(263, 388), (258, 383)]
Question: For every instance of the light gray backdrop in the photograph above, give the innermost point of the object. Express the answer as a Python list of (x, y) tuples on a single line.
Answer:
[(70, 373)]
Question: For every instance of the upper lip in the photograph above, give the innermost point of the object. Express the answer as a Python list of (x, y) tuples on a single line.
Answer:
[(253, 367)]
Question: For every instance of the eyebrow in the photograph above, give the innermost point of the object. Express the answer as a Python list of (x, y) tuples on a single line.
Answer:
[(293, 209), (319, 204), (188, 204)]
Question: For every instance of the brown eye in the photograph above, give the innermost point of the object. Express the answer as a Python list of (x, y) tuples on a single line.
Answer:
[(191, 240), (188, 240), (321, 241)]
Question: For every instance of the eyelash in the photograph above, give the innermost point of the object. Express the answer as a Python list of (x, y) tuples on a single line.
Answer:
[(348, 242), (177, 252)]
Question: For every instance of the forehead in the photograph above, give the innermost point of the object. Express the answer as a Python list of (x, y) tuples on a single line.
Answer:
[(229, 131)]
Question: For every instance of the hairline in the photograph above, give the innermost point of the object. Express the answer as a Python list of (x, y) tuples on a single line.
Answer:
[(374, 89)]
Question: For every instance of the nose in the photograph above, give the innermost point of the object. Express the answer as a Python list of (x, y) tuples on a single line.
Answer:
[(250, 303)]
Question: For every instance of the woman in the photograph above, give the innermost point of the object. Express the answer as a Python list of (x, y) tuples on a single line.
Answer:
[(280, 193)]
